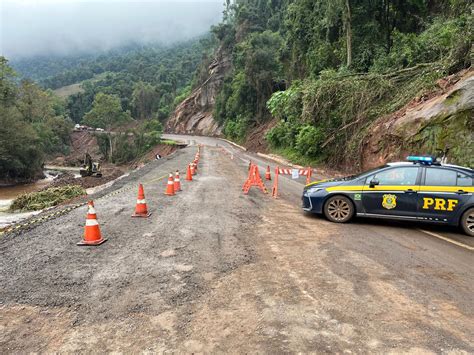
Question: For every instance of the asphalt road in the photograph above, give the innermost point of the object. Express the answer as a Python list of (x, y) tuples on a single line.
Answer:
[(435, 236), (216, 271)]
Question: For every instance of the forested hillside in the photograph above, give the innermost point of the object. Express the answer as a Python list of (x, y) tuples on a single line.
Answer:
[(130, 89), (33, 124), (147, 79), (320, 72)]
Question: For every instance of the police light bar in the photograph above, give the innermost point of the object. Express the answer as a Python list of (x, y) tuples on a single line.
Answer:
[(421, 159)]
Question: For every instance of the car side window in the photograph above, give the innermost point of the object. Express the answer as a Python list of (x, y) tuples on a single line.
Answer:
[(464, 180), (397, 176), (440, 177)]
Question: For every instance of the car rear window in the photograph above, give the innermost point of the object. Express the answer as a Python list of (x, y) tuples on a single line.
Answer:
[(440, 177), (464, 180)]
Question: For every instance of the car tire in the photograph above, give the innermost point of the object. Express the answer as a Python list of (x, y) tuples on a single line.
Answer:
[(339, 209), (467, 222)]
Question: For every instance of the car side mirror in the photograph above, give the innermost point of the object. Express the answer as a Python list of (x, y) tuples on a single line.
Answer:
[(373, 182)]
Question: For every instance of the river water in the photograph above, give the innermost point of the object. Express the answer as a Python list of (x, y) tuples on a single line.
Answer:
[(9, 193)]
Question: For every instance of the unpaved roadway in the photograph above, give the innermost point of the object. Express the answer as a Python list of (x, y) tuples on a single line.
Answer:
[(213, 270)]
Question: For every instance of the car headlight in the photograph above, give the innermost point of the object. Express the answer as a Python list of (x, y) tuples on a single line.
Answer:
[(313, 190)]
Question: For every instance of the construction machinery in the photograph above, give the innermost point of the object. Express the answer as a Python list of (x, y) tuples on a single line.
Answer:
[(90, 168)]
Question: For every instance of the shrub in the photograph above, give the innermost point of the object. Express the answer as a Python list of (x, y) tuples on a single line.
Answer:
[(236, 129), (35, 201), (283, 134), (309, 140)]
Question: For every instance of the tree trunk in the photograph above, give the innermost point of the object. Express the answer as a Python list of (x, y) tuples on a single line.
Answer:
[(110, 146), (348, 33)]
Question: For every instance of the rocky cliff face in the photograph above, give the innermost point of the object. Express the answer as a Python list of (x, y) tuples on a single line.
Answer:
[(443, 120), (194, 115)]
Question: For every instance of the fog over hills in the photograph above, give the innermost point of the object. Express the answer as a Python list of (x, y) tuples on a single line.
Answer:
[(66, 27)]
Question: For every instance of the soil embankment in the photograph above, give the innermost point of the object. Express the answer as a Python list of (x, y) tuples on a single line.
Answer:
[(442, 119)]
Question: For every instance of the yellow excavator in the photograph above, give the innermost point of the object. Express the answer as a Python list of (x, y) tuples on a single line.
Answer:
[(90, 168)]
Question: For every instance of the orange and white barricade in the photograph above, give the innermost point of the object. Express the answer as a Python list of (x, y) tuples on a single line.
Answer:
[(308, 172)]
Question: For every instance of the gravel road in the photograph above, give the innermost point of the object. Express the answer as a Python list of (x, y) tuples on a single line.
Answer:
[(213, 270)]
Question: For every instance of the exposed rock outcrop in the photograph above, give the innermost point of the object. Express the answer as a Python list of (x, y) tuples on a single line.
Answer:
[(194, 114), (443, 120)]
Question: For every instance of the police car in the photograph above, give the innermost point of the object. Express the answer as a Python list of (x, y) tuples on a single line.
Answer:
[(420, 189)]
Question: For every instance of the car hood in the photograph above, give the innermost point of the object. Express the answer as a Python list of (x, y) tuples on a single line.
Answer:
[(325, 183)]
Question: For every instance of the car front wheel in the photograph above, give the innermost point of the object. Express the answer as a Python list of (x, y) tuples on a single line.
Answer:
[(467, 222), (339, 209)]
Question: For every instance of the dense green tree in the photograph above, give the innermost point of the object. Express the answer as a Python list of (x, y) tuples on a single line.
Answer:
[(8, 89), (32, 126), (144, 100), (107, 113)]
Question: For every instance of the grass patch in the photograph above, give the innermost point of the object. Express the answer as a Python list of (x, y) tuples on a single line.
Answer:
[(35, 201), (66, 91), (168, 142), (294, 157)]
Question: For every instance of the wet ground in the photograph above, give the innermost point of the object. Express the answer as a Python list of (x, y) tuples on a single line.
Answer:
[(213, 270)]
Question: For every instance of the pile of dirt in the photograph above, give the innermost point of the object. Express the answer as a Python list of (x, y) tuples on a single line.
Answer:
[(82, 142), (255, 141)]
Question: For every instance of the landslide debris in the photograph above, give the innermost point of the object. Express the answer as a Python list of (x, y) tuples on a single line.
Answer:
[(35, 201), (436, 121)]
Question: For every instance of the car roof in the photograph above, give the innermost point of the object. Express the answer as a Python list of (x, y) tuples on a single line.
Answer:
[(405, 163)]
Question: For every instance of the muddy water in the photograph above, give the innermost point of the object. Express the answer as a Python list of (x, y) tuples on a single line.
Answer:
[(9, 193)]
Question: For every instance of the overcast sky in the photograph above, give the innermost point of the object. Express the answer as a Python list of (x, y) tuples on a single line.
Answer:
[(29, 27)]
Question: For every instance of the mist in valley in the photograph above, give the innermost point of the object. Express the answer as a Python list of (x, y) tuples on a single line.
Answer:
[(63, 28)]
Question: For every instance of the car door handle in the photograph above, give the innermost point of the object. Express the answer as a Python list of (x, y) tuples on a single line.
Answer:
[(461, 192), (410, 191)]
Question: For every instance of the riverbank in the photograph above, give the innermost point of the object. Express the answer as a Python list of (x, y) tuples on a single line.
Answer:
[(66, 176)]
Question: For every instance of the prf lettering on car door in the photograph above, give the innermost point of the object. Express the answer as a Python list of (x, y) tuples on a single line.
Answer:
[(439, 204)]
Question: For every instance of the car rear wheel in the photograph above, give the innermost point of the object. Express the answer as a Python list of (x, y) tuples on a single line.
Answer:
[(467, 222), (339, 209)]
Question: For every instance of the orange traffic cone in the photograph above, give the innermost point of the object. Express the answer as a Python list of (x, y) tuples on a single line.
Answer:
[(268, 176), (92, 234), (177, 182), (189, 175), (141, 209), (170, 186), (193, 169)]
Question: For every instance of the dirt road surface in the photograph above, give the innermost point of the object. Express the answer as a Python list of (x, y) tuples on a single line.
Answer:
[(213, 270)]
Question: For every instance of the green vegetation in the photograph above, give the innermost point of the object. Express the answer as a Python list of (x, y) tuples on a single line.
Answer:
[(53, 196), (130, 91), (325, 70), (146, 79), (124, 146), (33, 124), (168, 142), (69, 90)]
